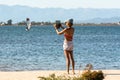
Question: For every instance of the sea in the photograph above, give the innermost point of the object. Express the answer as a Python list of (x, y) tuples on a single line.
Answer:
[(41, 48)]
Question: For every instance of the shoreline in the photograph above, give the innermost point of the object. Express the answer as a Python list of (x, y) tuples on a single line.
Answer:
[(33, 75), (79, 25)]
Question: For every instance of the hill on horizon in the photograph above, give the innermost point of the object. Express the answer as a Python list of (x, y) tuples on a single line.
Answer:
[(80, 15)]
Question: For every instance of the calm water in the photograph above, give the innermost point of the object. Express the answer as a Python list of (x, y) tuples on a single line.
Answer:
[(41, 48)]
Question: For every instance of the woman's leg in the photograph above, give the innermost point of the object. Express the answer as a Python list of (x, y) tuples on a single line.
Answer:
[(67, 60), (72, 60)]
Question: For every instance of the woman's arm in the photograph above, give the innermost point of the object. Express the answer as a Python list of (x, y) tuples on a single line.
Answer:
[(59, 32)]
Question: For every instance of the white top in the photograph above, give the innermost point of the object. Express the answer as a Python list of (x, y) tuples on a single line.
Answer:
[(28, 24)]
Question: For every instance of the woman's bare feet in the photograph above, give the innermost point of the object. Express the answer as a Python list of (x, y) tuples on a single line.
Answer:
[(73, 72)]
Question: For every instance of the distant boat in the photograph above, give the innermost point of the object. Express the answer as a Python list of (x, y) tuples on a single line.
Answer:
[(2, 24)]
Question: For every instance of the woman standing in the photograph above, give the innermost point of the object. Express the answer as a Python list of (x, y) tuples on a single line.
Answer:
[(68, 43)]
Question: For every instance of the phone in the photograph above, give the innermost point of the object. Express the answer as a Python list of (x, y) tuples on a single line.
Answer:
[(58, 24)]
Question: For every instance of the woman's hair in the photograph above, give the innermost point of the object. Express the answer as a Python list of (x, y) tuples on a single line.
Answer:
[(70, 22)]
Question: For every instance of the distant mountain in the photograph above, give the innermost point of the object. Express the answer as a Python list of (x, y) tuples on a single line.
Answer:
[(19, 13), (102, 20)]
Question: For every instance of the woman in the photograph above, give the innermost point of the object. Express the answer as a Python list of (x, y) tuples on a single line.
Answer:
[(68, 43)]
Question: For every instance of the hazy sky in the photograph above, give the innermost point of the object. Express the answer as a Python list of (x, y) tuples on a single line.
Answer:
[(65, 3)]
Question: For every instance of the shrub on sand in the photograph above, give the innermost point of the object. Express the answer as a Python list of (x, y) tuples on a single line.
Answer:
[(87, 75)]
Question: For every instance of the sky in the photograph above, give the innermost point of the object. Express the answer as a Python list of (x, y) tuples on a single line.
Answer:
[(64, 3)]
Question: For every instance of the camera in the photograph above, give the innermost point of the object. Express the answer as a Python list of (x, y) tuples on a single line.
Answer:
[(58, 24)]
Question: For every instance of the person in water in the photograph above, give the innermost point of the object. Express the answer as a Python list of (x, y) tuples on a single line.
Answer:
[(68, 43), (28, 24)]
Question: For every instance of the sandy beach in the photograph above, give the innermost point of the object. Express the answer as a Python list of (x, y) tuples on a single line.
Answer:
[(33, 75)]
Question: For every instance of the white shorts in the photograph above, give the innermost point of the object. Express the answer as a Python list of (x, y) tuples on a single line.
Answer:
[(68, 45)]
